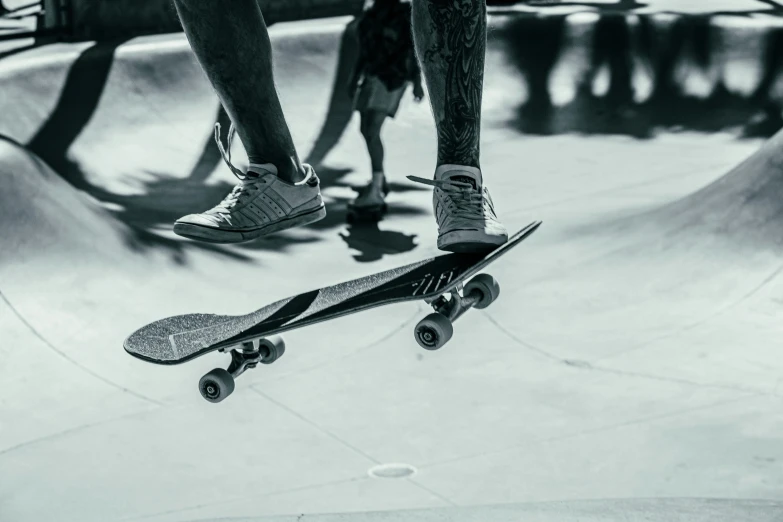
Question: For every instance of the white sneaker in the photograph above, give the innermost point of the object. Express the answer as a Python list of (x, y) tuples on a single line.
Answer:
[(464, 210), (259, 205)]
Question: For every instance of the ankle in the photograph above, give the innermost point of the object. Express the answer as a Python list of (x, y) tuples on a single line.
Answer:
[(288, 169), (378, 177)]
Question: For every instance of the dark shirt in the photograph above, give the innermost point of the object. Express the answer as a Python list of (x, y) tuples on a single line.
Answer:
[(386, 44)]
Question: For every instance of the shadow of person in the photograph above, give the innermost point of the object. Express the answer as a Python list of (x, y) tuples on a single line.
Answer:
[(340, 109), (166, 199), (373, 243), (78, 102)]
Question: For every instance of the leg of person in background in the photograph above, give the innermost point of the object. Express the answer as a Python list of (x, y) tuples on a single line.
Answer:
[(450, 40), (231, 42), (371, 124)]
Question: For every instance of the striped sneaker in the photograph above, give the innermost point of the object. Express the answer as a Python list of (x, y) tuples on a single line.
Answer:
[(259, 205), (464, 210)]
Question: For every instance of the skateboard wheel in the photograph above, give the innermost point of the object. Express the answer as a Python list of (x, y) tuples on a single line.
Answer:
[(434, 331), (271, 348), (487, 285), (216, 385)]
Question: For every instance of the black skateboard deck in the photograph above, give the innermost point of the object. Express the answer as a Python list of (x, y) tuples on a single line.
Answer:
[(437, 280)]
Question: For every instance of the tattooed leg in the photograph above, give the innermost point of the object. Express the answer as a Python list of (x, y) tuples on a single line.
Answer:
[(232, 45), (451, 38)]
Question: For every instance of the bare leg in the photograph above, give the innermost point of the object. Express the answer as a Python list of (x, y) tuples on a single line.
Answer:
[(372, 122), (450, 38), (232, 44)]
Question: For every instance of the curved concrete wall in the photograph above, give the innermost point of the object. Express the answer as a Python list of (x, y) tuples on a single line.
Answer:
[(107, 19), (584, 73)]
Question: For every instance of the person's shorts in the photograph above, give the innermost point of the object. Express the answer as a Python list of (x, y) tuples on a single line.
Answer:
[(373, 95)]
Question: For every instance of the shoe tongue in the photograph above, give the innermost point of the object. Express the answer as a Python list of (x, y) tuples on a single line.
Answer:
[(256, 174), (465, 177), (260, 169)]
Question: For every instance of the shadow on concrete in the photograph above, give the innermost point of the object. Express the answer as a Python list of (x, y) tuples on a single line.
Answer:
[(166, 198), (534, 45), (78, 101), (373, 244), (340, 109)]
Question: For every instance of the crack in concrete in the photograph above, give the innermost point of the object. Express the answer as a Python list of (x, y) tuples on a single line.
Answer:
[(582, 433), (70, 431), (315, 425), (703, 320), (75, 363), (588, 366)]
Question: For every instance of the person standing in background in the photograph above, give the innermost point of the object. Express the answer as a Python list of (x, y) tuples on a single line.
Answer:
[(385, 67)]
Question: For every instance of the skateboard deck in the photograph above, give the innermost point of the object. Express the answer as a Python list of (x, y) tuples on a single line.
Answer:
[(178, 339)]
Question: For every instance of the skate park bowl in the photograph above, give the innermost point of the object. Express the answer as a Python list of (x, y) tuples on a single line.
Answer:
[(629, 371)]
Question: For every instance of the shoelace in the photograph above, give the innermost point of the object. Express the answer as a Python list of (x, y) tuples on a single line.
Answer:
[(225, 152), (463, 200), (248, 183)]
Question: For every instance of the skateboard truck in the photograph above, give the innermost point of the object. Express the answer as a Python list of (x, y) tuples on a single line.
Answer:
[(219, 383), (436, 329)]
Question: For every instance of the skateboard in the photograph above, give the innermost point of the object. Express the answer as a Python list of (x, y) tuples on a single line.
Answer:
[(446, 282)]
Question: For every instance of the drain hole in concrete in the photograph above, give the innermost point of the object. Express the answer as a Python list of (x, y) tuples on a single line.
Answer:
[(392, 471)]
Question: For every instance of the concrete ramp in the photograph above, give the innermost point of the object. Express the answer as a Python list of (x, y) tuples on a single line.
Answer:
[(45, 217), (744, 207)]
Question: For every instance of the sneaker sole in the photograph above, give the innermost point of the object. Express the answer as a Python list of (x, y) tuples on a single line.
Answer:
[(469, 242), (215, 235)]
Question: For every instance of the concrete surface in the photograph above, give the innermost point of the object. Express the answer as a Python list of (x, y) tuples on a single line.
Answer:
[(646, 510), (634, 351)]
